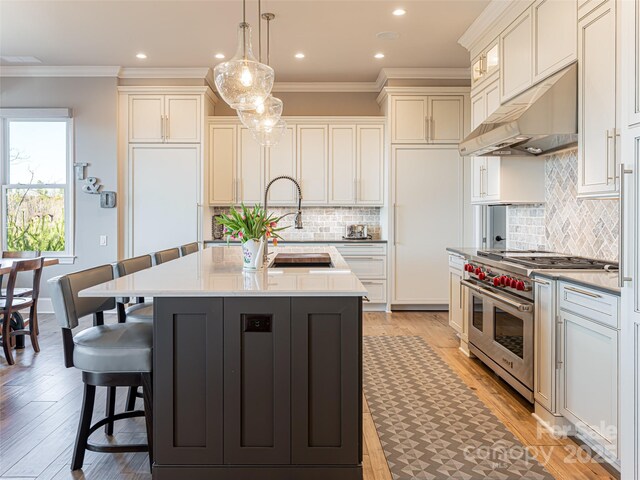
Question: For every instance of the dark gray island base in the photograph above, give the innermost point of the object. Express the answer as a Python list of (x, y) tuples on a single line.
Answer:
[(258, 388)]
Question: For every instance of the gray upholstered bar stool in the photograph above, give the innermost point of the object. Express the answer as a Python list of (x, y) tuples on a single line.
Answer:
[(166, 255), (189, 248), (116, 355), (140, 311)]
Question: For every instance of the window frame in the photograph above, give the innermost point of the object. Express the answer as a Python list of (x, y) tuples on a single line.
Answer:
[(8, 115)]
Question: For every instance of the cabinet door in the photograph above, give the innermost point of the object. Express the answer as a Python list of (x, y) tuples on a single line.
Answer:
[(492, 59), (342, 165), (250, 169), (257, 365), (478, 166), (188, 405), (326, 400), (589, 378), (492, 179), (164, 193), (370, 165), (492, 98), (516, 65), (544, 376), (222, 164), (281, 160), (313, 163), (456, 316), (445, 123), (597, 102), (478, 109), (633, 24), (182, 117), (427, 195), (409, 119), (477, 70), (555, 36), (146, 118)]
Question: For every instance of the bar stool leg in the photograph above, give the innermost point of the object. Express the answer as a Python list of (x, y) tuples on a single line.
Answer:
[(147, 395), (83, 428), (111, 409), (131, 399)]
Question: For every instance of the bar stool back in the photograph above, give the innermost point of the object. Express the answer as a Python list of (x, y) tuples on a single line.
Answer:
[(115, 355), (189, 248), (140, 311), (166, 255)]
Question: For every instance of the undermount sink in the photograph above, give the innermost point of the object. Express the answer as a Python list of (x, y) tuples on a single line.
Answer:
[(302, 260)]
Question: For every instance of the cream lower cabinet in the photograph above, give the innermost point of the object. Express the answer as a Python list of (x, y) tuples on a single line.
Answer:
[(457, 300), (369, 263), (427, 195), (597, 112), (547, 362)]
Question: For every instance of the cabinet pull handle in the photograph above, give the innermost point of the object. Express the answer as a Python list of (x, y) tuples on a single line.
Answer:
[(426, 129), (166, 120), (622, 278), (355, 189), (558, 344), (541, 282), (583, 292), (162, 127), (481, 181), (609, 136), (395, 224)]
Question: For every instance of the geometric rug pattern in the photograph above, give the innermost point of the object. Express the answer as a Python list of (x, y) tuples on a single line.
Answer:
[(430, 424)]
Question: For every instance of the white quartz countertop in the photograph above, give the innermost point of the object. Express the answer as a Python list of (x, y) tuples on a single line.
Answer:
[(218, 272), (598, 279)]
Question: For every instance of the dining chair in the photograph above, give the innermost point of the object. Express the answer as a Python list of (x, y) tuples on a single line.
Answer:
[(12, 304), (113, 355), (189, 248), (18, 291), (167, 255)]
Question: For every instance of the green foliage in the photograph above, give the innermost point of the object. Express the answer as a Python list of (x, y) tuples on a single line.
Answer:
[(35, 220), (250, 223)]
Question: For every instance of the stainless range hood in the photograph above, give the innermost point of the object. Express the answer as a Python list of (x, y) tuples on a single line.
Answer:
[(540, 121)]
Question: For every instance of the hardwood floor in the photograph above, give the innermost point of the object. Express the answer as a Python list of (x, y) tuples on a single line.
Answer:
[(40, 401)]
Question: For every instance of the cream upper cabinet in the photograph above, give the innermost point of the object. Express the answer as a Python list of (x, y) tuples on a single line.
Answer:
[(313, 165), (164, 118), (423, 119), (631, 38), (342, 165), (492, 98), (281, 160), (250, 177), (516, 44), (222, 164), (478, 165), (485, 65), (597, 125), (370, 165), (555, 35)]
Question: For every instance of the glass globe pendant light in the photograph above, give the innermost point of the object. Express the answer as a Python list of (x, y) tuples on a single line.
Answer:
[(267, 113), (268, 136), (243, 82)]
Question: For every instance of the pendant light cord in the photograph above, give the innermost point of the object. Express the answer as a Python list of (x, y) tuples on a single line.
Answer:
[(260, 31), (268, 41), (244, 29)]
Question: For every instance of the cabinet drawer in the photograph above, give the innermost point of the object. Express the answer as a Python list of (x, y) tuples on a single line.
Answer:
[(377, 290), (362, 249), (368, 267), (456, 262), (592, 304)]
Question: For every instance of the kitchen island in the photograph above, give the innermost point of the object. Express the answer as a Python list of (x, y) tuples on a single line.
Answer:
[(256, 374)]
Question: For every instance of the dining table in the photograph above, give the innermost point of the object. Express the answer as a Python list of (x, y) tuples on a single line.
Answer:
[(17, 322)]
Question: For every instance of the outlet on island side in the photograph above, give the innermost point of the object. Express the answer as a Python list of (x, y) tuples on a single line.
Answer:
[(103, 240)]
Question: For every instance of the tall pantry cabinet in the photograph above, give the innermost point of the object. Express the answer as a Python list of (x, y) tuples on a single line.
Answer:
[(162, 174), (426, 189)]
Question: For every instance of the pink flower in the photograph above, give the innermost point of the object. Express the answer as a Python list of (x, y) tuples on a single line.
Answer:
[(240, 234), (275, 242), (273, 224), (268, 233)]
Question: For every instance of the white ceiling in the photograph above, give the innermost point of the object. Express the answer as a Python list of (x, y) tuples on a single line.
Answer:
[(337, 37)]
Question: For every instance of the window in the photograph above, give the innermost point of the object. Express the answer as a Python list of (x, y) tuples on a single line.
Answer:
[(37, 182)]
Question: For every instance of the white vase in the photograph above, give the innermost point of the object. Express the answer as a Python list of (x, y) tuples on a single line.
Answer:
[(252, 254)]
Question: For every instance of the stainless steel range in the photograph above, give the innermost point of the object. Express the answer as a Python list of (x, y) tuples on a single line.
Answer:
[(502, 305)]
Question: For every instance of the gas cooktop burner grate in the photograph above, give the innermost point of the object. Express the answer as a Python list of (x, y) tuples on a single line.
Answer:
[(546, 260)]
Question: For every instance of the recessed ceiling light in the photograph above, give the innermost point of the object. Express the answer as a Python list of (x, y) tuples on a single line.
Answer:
[(220, 55), (379, 55), (388, 35), (398, 12), (141, 56), (299, 55)]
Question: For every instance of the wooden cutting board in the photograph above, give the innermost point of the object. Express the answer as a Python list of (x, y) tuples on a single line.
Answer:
[(306, 258)]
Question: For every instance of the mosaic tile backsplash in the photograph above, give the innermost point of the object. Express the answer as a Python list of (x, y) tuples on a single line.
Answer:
[(325, 223), (565, 223)]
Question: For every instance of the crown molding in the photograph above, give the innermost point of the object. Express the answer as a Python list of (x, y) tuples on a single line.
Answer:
[(136, 72), (491, 15), (59, 71), (325, 87), (421, 73)]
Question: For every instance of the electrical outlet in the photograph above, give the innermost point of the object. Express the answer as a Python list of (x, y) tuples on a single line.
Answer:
[(103, 240)]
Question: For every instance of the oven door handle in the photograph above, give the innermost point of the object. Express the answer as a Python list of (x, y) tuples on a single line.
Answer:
[(521, 307)]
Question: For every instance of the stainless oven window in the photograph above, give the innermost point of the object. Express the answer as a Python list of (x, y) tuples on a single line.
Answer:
[(478, 312), (509, 331)]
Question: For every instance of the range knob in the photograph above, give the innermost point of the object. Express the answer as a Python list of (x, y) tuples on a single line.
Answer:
[(514, 283), (504, 281), (482, 275), (468, 267), (520, 285), (478, 271), (497, 281)]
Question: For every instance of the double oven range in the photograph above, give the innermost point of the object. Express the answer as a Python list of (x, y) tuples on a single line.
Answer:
[(502, 307)]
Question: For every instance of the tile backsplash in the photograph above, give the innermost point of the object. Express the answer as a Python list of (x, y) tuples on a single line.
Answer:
[(325, 223), (565, 223)]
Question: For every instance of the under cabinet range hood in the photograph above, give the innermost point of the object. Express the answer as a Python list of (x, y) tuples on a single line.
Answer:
[(538, 122)]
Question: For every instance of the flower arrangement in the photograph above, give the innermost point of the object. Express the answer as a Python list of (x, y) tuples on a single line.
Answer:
[(250, 224)]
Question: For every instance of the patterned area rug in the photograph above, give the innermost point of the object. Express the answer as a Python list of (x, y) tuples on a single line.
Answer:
[(431, 425)]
